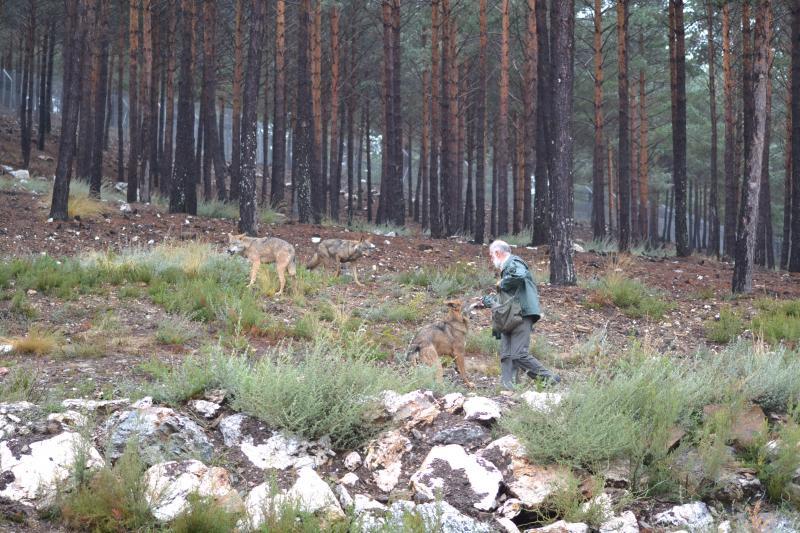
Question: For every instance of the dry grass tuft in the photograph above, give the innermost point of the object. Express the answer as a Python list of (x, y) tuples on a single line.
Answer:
[(38, 341)]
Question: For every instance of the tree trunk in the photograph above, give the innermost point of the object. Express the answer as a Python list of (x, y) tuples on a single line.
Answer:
[(43, 105), (398, 212), (369, 162), (787, 179), (350, 104), (421, 212), (624, 150), (236, 117), (611, 203), (469, 204), (541, 206), (679, 132), (480, 131), (502, 123), (211, 135), (183, 192), (433, 182), (562, 270), (644, 176), (133, 103), (277, 190), (147, 101), (359, 161), (169, 118), (120, 128), (74, 59), (335, 162), (303, 145), (27, 87), (765, 251), (83, 163), (99, 93), (598, 165), (731, 200), (49, 90), (794, 249), (745, 239), (318, 196), (713, 207)]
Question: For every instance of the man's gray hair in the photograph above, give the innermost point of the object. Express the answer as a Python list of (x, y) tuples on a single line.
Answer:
[(499, 246)]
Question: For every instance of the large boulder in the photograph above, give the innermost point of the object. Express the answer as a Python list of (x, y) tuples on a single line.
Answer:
[(467, 434), (277, 450), (481, 409), (532, 484), (434, 516), (624, 523), (170, 484), (309, 493), (461, 478), (409, 405), (161, 434), (30, 473), (384, 458), (693, 516)]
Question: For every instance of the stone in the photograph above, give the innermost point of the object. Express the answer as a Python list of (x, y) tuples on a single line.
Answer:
[(387, 452), (231, 429), (469, 435), (343, 495), (777, 522), (544, 402), (161, 433), (435, 516), (577, 248), (404, 406), (33, 475), (531, 484), (692, 516), (562, 527), (352, 461), (68, 418), (618, 474), (745, 426), (20, 174), (469, 480), (507, 525), (349, 479), (453, 402), (310, 493), (143, 403), (204, 408), (215, 395), (601, 506), (725, 527), (363, 503), (169, 485), (624, 523), (101, 406), (480, 408), (125, 208)]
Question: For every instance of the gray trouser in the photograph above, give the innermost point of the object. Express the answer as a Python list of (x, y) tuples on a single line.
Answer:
[(514, 348)]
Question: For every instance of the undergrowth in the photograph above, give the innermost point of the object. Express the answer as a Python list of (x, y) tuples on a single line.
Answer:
[(629, 295)]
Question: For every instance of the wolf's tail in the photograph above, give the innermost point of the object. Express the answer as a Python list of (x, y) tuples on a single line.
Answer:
[(293, 266), (315, 261)]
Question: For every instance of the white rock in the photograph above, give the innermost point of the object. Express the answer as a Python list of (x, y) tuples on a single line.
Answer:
[(33, 477), (624, 523), (509, 508), (693, 516), (453, 402), (442, 469), (105, 406), (343, 495), (577, 248), (349, 479), (231, 429), (363, 503), (169, 485), (407, 405), (507, 525), (6, 348), (435, 516), (384, 457), (601, 506), (143, 403), (20, 174), (125, 208), (69, 418), (310, 493), (724, 527), (480, 408), (352, 461), (277, 452), (205, 408), (316, 240), (564, 527), (544, 402)]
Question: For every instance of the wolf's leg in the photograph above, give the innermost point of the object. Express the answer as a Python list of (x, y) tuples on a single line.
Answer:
[(338, 268), (254, 271), (430, 357), (281, 277), (355, 276), (462, 370)]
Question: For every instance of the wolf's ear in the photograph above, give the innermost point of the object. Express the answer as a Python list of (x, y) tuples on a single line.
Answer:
[(453, 304)]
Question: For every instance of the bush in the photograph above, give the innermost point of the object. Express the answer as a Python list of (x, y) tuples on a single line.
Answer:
[(112, 499), (455, 279), (38, 341), (22, 384), (629, 295), (482, 342), (176, 331), (726, 328), (20, 305), (778, 321), (204, 515)]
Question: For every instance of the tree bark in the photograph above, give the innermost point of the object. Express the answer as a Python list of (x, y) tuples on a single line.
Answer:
[(303, 145), (211, 135), (787, 179), (421, 212), (541, 202), (43, 104), (435, 79), (731, 199), (236, 117), (713, 201), (27, 87), (683, 248), (624, 150), (369, 161), (120, 128), (502, 123), (318, 196), (169, 118), (335, 161), (183, 192), (765, 254), (598, 164), (794, 249), (99, 93)]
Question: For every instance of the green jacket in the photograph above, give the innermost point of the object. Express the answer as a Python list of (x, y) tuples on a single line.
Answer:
[(516, 276)]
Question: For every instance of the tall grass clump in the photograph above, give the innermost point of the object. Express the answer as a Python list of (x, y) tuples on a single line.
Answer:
[(603, 246), (22, 384), (523, 238), (455, 279), (778, 321), (726, 328), (631, 296)]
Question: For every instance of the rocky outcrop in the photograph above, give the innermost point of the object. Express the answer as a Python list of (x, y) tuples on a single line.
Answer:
[(481, 409), (693, 516), (434, 516), (384, 458)]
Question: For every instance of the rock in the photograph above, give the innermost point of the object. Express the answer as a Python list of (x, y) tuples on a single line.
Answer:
[(68, 418), (278, 451), (624, 523), (6, 348), (343, 496), (363, 503), (469, 480), (349, 479), (692, 516), (544, 402), (32, 476), (600, 506), (387, 451), (316, 240), (143, 403), (121, 186), (577, 248), (352, 461), (407, 405), (453, 402), (20, 174), (161, 434), (746, 425), (170, 484), (777, 522), (725, 527), (507, 525), (310, 493), (435, 516), (530, 483), (480, 408), (618, 474), (205, 408), (215, 395), (469, 435), (101, 406), (563, 527), (390, 234), (125, 208)]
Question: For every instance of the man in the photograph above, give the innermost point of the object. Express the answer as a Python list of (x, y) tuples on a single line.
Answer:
[(517, 281)]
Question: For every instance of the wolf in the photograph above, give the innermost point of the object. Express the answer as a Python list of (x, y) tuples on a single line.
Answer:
[(341, 251), (447, 337), (265, 250)]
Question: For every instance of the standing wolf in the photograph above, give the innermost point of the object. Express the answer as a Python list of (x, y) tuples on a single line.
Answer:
[(265, 250), (341, 251)]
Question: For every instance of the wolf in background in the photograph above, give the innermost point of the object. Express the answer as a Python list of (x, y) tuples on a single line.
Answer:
[(341, 251), (265, 250)]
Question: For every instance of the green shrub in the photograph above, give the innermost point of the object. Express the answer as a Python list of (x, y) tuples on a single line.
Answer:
[(523, 238), (726, 328), (777, 474), (20, 305), (204, 515), (778, 321), (112, 499), (631, 296), (176, 384), (453, 280), (482, 342), (22, 384), (177, 330), (605, 245)]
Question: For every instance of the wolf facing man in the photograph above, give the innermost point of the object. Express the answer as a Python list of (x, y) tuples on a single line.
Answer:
[(516, 286)]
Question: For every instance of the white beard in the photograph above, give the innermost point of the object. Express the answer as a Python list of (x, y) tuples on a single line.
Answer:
[(498, 263)]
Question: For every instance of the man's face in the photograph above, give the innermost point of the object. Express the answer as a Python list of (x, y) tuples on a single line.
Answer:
[(497, 257)]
